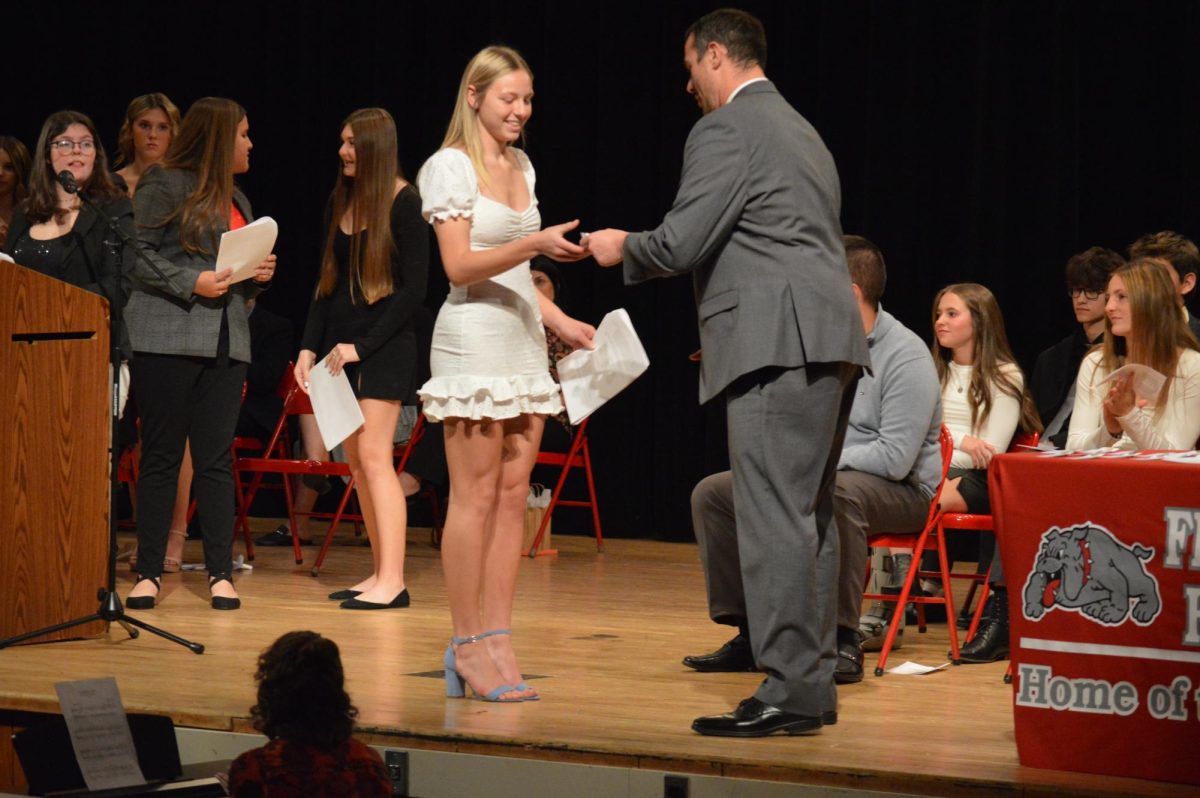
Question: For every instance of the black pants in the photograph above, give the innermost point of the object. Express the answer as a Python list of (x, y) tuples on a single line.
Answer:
[(182, 399)]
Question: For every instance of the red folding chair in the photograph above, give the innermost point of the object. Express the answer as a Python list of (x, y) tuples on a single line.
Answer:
[(578, 456), (981, 523), (919, 542)]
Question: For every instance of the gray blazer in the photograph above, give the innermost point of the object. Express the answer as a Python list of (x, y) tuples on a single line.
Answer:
[(756, 221), (165, 316)]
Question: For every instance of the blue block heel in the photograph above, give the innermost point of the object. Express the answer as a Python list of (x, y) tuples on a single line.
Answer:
[(456, 684)]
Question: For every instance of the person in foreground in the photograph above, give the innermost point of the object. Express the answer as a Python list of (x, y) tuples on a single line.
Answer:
[(756, 221), (1145, 326), (191, 339), (490, 385), (304, 709), (888, 471), (372, 281)]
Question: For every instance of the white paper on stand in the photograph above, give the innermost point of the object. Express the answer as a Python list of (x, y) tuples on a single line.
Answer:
[(100, 733), (243, 249), (334, 404), (1146, 381), (590, 377)]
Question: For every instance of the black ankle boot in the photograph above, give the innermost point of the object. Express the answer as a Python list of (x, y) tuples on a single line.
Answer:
[(990, 643)]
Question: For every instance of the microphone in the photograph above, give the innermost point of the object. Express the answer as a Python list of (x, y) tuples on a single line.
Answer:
[(67, 181)]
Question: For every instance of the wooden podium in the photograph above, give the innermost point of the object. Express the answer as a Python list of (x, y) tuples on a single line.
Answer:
[(54, 439)]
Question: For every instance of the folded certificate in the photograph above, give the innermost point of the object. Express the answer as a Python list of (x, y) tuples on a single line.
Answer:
[(243, 249), (334, 405), (1146, 381), (590, 377)]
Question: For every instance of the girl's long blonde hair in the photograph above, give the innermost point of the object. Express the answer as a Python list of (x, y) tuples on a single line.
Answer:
[(482, 71)]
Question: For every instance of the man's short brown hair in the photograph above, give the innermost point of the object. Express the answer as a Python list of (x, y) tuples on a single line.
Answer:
[(867, 269), (1170, 247), (1090, 269)]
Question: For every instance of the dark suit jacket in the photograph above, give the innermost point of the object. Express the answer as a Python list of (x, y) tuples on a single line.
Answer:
[(165, 316), (756, 221), (96, 260), (1054, 373)]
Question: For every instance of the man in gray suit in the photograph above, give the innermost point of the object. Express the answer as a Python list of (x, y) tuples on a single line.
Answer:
[(756, 222)]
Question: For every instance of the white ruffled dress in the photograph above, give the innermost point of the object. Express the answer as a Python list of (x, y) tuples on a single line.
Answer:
[(488, 358)]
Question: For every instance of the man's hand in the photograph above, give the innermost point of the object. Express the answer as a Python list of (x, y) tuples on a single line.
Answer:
[(606, 245)]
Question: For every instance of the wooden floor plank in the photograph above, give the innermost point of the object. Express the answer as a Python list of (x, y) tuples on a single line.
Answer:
[(602, 635)]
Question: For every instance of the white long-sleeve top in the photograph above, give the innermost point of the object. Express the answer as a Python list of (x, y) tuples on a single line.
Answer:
[(1001, 423), (1177, 427)]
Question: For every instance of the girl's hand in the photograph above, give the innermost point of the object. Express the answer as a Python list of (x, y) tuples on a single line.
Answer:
[(1120, 401), (340, 355), (578, 334), (980, 450), (304, 364), (264, 271), (552, 243), (213, 284)]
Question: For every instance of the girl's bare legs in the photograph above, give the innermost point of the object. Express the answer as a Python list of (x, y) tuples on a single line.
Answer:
[(522, 438), (475, 455), (369, 452)]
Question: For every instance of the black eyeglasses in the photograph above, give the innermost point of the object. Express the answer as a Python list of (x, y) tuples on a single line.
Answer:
[(1089, 295)]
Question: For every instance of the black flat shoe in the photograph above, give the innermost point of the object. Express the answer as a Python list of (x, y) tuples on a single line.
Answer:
[(282, 536), (849, 667), (733, 657), (400, 601), (144, 602), (223, 602), (753, 718), (342, 595)]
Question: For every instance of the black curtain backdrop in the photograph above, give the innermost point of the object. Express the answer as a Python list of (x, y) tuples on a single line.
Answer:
[(976, 142)]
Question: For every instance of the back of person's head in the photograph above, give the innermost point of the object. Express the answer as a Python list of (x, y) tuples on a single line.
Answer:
[(18, 158), (739, 32), (1173, 249), (139, 106), (301, 692), (867, 268), (205, 145), (43, 181), (484, 68), (1090, 269)]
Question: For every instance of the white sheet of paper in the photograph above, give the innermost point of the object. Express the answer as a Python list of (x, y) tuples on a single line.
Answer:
[(100, 733), (243, 249), (6, 257), (334, 404), (1146, 381), (590, 377), (910, 668)]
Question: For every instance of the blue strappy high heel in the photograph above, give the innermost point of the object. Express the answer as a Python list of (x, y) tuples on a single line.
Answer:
[(456, 684)]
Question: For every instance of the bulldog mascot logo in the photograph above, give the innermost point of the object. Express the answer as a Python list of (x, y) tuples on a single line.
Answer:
[(1084, 568)]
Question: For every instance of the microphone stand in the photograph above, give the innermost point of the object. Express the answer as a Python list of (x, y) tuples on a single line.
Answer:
[(111, 610)]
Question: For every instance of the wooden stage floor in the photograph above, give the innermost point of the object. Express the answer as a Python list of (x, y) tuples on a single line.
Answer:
[(603, 636)]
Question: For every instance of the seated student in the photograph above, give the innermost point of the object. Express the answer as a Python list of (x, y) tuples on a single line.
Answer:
[(1052, 383), (1139, 329), (984, 399), (304, 709), (1182, 255)]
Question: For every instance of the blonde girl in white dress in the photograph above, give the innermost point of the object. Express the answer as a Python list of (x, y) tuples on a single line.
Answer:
[(490, 383)]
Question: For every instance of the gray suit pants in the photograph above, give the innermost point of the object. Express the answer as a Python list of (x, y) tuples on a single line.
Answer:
[(786, 428), (861, 503)]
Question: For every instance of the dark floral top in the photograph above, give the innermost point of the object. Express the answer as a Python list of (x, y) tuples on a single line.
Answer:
[(283, 768), (557, 349)]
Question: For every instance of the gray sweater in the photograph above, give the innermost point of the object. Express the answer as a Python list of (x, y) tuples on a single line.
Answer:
[(897, 412)]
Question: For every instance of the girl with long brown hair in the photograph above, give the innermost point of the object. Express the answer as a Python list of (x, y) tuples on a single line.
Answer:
[(191, 339), (373, 274), (14, 179), (491, 383), (1144, 324), (151, 121)]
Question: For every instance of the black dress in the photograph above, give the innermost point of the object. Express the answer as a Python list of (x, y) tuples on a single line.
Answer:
[(383, 333)]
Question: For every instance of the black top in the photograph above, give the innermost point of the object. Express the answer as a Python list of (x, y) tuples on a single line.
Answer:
[(1053, 375), (382, 333), (90, 256)]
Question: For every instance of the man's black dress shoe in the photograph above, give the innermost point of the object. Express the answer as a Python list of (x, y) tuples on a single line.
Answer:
[(400, 601), (849, 667), (753, 718), (282, 536), (989, 644), (733, 657)]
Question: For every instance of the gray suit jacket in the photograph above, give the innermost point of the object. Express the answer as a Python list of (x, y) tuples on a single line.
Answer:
[(165, 316), (756, 221)]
